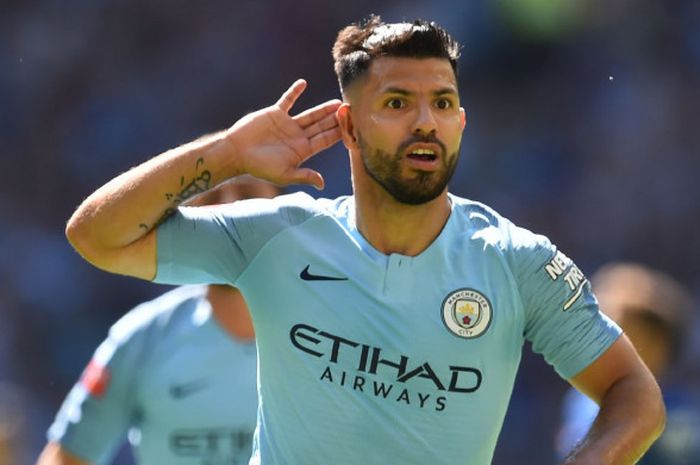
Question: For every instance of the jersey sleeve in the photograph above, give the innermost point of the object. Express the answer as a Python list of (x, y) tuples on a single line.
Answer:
[(98, 411), (214, 244), (562, 318)]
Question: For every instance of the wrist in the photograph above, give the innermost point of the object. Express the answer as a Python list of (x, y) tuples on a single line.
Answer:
[(232, 156)]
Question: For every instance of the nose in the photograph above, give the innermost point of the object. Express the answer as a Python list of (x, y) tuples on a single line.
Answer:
[(424, 123)]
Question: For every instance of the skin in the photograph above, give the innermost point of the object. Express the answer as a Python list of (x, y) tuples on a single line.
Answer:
[(653, 343), (632, 413), (54, 454), (372, 127), (271, 145)]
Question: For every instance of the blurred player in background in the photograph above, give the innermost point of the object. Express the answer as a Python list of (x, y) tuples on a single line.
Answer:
[(654, 311), (389, 323), (12, 424), (178, 374)]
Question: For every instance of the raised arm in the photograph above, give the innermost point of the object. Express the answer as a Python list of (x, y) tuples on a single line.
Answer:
[(114, 228), (631, 415)]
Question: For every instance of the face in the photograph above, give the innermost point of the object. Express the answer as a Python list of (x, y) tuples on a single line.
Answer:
[(403, 126)]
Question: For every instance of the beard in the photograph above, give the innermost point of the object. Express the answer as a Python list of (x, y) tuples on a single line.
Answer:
[(424, 186)]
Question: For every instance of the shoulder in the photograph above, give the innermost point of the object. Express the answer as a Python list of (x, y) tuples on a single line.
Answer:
[(284, 210), (300, 206), (482, 222)]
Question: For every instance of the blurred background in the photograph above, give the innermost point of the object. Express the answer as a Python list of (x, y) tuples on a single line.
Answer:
[(583, 124)]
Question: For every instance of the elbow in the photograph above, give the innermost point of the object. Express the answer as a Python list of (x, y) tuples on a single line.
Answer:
[(72, 232), (77, 236), (651, 420), (82, 240), (137, 258), (658, 423)]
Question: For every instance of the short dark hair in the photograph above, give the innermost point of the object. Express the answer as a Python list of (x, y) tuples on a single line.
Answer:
[(358, 44)]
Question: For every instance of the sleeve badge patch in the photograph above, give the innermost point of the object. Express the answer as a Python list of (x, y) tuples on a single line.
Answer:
[(562, 266), (95, 379)]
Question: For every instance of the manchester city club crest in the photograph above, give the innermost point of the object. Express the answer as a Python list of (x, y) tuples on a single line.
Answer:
[(466, 313)]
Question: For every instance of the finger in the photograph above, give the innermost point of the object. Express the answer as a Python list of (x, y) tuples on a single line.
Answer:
[(329, 122), (312, 115), (286, 101), (307, 176), (324, 140)]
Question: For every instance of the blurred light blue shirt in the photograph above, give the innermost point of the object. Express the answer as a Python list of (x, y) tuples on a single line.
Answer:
[(170, 376)]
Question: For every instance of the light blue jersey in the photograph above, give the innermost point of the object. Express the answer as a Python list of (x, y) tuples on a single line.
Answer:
[(182, 387), (372, 359)]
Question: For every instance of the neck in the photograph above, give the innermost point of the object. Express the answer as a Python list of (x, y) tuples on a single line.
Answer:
[(230, 311), (394, 227)]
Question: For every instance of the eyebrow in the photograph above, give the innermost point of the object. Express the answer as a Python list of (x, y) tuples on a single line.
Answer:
[(437, 93), (396, 90)]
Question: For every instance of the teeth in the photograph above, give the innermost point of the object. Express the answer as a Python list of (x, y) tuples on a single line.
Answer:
[(424, 152)]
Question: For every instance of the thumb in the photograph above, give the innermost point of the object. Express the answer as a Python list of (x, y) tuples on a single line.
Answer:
[(307, 176)]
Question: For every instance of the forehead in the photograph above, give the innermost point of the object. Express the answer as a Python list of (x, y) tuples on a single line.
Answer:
[(411, 74)]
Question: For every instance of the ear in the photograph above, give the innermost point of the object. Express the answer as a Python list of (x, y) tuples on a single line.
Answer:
[(347, 129), (464, 117)]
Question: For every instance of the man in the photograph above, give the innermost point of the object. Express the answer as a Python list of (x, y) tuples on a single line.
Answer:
[(391, 327), (177, 373), (653, 309)]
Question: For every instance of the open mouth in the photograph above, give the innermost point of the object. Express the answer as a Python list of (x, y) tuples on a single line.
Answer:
[(423, 154)]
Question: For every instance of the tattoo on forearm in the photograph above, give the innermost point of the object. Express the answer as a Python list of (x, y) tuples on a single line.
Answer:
[(200, 183), (165, 216)]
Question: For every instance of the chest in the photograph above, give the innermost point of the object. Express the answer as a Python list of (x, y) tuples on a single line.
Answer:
[(457, 303)]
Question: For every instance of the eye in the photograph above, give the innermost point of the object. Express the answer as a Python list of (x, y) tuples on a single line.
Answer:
[(395, 103), (443, 104)]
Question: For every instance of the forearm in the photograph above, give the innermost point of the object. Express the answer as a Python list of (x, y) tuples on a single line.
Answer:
[(631, 418), (130, 205)]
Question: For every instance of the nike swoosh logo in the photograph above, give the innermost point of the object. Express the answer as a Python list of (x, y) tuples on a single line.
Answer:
[(180, 391), (306, 276)]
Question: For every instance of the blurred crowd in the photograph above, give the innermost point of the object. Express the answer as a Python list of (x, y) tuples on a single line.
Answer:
[(582, 125)]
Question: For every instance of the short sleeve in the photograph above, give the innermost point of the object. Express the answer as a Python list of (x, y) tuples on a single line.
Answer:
[(215, 244), (97, 413), (562, 318)]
